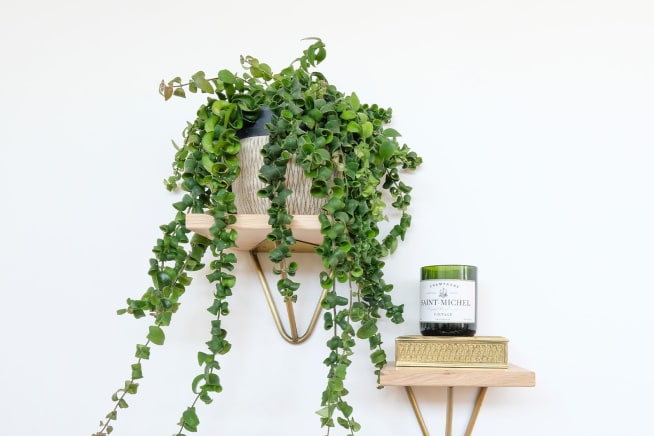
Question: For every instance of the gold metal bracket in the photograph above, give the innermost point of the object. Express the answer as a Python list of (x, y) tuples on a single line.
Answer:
[(293, 337), (252, 232), (448, 421)]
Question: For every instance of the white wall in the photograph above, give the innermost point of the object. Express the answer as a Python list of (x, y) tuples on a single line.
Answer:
[(535, 123)]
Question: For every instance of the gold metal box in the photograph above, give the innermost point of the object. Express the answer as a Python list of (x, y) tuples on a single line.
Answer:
[(452, 351)]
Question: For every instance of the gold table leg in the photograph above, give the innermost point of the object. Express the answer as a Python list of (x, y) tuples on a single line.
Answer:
[(448, 421), (416, 410), (475, 411), (450, 399)]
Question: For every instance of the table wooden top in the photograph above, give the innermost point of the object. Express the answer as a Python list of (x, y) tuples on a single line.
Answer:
[(392, 375)]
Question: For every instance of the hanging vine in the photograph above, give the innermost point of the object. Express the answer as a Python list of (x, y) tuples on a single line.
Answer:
[(353, 161)]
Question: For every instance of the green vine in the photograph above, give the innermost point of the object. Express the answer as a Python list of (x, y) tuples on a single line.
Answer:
[(347, 153), (352, 160)]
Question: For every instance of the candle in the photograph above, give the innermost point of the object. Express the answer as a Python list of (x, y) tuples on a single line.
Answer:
[(448, 300)]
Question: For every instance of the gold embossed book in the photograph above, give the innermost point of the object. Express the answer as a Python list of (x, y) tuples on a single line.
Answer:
[(452, 351)]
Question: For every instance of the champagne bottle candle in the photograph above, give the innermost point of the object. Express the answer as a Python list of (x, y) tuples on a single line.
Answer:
[(448, 300)]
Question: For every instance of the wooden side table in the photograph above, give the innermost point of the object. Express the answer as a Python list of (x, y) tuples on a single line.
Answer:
[(483, 378)]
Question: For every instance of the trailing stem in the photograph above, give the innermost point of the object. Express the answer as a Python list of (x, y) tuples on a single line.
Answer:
[(208, 381), (119, 396), (160, 301)]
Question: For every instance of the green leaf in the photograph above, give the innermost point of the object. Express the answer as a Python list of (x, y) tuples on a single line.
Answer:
[(131, 387), (164, 319), (348, 115), (204, 358), (142, 352), (324, 412), (328, 320), (196, 383), (212, 379), (207, 163), (335, 385), (215, 307), (386, 149), (367, 329), (205, 398), (190, 419), (137, 373), (366, 129), (342, 301), (340, 371), (210, 125), (354, 102), (226, 76), (207, 142), (315, 114), (353, 127), (156, 335), (358, 311), (378, 357), (345, 408), (391, 133), (202, 83)]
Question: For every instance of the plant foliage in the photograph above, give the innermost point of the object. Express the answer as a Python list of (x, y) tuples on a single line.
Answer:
[(353, 161)]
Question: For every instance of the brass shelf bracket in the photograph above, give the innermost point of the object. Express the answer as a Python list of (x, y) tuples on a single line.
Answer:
[(252, 232), (449, 408), (293, 337), (416, 410)]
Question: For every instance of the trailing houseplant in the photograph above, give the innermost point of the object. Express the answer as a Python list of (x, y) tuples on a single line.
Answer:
[(352, 160)]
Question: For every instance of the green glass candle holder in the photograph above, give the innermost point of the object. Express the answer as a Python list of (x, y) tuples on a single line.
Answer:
[(448, 300)]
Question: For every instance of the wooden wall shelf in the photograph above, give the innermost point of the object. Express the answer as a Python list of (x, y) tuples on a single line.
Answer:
[(252, 229), (513, 376)]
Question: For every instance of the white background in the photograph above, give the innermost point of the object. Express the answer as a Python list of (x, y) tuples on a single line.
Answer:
[(534, 120)]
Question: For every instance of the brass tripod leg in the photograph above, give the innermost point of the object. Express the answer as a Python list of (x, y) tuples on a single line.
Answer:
[(475, 411), (450, 399), (448, 422), (416, 410)]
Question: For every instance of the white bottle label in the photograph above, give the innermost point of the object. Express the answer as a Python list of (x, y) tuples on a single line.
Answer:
[(447, 301)]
